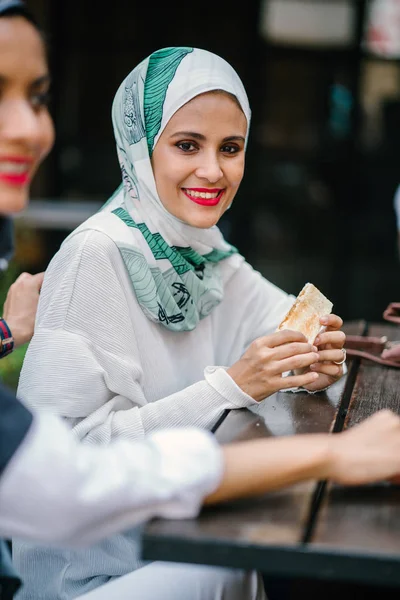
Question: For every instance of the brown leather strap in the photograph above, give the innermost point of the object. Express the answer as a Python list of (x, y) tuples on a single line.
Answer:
[(392, 312), (370, 348), (368, 343), (373, 357)]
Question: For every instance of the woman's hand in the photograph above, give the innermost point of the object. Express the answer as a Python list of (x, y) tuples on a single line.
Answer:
[(259, 371), (367, 452), (330, 349), (392, 353), (20, 306)]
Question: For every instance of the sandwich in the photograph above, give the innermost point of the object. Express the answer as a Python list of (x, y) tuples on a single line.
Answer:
[(304, 315)]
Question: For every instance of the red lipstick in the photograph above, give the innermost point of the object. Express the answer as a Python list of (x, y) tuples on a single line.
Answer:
[(204, 201), (14, 170)]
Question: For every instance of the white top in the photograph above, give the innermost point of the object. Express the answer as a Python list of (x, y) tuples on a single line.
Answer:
[(57, 490), (98, 361)]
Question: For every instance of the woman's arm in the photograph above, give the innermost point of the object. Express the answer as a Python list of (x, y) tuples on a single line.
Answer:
[(366, 453), (102, 394), (20, 307), (84, 362), (57, 490), (60, 491)]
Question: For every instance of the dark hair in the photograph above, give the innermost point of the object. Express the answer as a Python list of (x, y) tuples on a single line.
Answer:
[(18, 8), (9, 8)]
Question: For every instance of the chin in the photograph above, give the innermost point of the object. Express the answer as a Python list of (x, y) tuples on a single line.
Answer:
[(203, 223), (13, 202), (204, 220)]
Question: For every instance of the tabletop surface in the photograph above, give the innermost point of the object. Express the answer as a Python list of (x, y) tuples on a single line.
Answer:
[(351, 534)]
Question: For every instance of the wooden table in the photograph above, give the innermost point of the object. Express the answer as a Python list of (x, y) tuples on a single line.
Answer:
[(313, 530)]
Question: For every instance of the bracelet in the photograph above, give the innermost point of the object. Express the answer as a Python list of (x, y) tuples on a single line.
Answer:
[(6, 339)]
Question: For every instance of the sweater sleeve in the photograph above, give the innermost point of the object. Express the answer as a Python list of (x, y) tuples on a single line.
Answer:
[(79, 363), (80, 494)]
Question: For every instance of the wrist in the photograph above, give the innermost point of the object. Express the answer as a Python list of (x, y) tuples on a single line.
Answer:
[(6, 339), (18, 331), (242, 382), (331, 458)]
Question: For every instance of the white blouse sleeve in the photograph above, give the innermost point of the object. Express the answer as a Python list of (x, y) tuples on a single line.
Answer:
[(58, 490), (79, 363)]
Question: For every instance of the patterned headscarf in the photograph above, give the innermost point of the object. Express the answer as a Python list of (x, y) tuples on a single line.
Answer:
[(173, 266)]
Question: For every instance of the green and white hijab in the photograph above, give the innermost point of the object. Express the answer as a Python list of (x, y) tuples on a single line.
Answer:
[(173, 266)]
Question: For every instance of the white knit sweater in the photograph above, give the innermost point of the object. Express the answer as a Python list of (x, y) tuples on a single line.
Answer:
[(98, 361)]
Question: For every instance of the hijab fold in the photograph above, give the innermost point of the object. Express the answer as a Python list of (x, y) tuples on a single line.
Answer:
[(173, 267)]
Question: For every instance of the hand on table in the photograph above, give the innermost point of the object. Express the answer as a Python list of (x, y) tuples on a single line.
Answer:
[(392, 353), (367, 452), (20, 306)]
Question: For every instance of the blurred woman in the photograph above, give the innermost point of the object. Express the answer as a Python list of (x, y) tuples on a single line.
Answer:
[(27, 136)]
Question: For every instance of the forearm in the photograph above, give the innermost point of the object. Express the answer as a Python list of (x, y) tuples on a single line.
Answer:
[(104, 395), (10, 323), (260, 466), (199, 405), (21, 331), (20, 306)]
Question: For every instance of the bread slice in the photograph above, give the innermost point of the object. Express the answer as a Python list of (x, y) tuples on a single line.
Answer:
[(309, 306)]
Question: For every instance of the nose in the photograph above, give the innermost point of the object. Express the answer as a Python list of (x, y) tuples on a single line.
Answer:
[(209, 167), (19, 123)]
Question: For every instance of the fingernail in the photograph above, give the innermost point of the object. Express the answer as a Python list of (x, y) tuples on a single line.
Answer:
[(312, 367), (314, 349), (324, 320), (317, 340)]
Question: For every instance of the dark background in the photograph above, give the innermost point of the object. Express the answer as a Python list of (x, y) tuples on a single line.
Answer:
[(316, 203)]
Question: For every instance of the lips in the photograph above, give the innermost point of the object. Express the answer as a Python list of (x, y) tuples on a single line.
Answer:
[(15, 170), (204, 196)]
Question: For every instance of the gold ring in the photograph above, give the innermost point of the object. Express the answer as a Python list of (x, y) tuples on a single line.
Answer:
[(340, 362)]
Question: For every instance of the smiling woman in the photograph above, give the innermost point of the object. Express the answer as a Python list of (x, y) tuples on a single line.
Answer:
[(27, 133), (26, 137)]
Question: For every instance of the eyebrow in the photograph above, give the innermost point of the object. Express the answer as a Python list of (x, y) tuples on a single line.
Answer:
[(200, 136), (41, 80), (35, 83)]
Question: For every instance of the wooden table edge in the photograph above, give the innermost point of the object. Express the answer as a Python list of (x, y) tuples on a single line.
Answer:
[(302, 561)]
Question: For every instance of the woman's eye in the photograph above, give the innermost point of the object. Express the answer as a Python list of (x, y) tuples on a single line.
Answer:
[(230, 149), (40, 100), (186, 146)]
